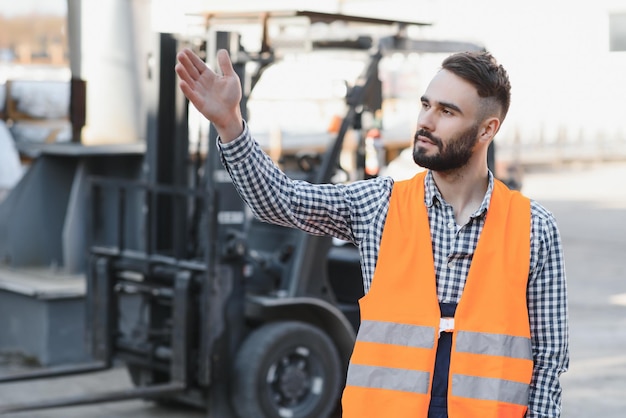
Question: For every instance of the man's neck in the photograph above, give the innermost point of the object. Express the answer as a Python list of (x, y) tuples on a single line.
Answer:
[(464, 189)]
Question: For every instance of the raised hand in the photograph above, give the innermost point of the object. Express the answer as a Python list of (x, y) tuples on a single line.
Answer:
[(215, 96)]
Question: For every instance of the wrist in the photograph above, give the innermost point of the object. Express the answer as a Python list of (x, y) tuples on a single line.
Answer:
[(230, 129)]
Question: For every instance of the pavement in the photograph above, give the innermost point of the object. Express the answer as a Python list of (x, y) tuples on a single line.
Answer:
[(589, 202)]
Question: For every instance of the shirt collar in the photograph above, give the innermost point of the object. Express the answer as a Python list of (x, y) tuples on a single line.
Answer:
[(432, 194)]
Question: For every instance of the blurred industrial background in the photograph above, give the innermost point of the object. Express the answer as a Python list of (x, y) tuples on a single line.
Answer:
[(565, 60), (122, 248)]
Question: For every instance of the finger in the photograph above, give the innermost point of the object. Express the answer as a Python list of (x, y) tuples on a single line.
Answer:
[(185, 59), (183, 73), (195, 60), (187, 91), (192, 95), (225, 64)]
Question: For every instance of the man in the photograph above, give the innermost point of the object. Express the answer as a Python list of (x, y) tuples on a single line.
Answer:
[(465, 313)]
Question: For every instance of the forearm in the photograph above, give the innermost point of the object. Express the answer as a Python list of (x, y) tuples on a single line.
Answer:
[(230, 128), (551, 354), (274, 197)]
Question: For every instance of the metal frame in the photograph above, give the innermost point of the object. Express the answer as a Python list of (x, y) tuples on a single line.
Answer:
[(174, 280)]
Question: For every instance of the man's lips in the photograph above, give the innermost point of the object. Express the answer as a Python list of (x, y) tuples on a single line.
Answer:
[(424, 139)]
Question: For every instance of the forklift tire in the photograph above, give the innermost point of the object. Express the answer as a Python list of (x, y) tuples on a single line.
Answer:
[(287, 369)]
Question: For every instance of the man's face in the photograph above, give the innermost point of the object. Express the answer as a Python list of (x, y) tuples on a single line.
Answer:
[(447, 124), (453, 153)]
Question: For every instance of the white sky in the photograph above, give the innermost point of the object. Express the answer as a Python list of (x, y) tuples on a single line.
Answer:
[(556, 51), (11, 8)]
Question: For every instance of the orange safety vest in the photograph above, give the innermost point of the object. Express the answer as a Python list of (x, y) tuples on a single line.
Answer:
[(391, 368)]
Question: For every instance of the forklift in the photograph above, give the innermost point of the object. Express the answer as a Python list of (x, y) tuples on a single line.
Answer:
[(203, 304)]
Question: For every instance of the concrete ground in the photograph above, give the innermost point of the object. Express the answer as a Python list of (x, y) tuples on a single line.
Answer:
[(589, 202)]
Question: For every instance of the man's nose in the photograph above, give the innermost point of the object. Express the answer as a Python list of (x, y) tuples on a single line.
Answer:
[(425, 120)]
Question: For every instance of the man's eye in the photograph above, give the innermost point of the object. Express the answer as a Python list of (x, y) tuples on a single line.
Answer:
[(446, 111), (425, 105)]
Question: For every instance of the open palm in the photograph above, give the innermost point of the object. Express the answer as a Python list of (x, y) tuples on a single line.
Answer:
[(215, 96)]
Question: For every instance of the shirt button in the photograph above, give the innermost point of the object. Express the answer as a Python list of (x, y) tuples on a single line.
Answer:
[(451, 225)]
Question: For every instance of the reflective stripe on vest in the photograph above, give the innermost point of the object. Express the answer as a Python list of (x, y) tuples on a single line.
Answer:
[(418, 382), (494, 345), (388, 378), (397, 334), (390, 372), (490, 389)]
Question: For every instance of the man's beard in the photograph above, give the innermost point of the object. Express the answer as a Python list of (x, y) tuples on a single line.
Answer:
[(455, 154)]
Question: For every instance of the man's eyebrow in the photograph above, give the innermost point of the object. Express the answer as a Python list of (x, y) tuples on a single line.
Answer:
[(443, 104)]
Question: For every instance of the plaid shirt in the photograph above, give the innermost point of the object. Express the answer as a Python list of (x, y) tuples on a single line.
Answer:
[(356, 213)]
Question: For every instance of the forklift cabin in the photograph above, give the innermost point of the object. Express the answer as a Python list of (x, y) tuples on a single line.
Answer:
[(203, 304)]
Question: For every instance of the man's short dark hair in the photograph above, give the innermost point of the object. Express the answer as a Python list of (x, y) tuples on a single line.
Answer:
[(489, 78)]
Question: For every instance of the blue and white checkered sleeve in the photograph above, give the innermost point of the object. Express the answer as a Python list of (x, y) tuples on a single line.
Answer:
[(548, 313), (342, 211)]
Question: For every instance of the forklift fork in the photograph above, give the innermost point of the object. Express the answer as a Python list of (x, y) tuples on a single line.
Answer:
[(103, 350)]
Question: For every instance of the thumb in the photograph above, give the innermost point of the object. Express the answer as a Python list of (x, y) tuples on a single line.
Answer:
[(224, 62)]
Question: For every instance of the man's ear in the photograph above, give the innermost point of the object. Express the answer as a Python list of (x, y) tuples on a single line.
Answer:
[(488, 129)]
